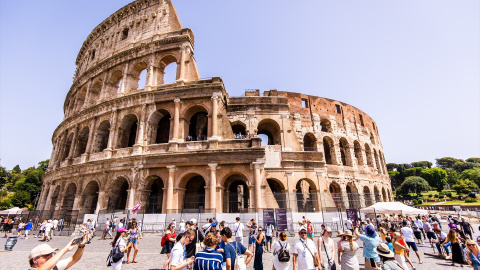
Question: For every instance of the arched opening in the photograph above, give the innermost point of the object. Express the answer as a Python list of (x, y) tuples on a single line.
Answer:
[(101, 137), (384, 195), (194, 193), (114, 84), (378, 198), (336, 193), (71, 106), (198, 128), (127, 134), (329, 150), (118, 194), (382, 161), (309, 142), (271, 129), (372, 138), (159, 127), (368, 153), (238, 129), (69, 197), (54, 198), (305, 196), (379, 169), (68, 145), (358, 153), (90, 194), (155, 195), (137, 77), (81, 98), (237, 195), (368, 196), (326, 125), (352, 195), (278, 193), (345, 152), (82, 141), (169, 70), (94, 93)]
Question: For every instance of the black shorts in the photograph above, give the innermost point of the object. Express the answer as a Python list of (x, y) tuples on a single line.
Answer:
[(418, 235), (431, 235), (412, 245)]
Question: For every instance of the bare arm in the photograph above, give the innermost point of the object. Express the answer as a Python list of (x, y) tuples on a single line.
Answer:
[(249, 256), (228, 262), (55, 259), (185, 264), (295, 261)]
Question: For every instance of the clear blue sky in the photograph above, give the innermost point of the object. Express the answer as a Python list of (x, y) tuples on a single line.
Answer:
[(413, 66)]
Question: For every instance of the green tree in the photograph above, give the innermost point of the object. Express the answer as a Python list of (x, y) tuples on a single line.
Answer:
[(413, 184), (43, 165), (16, 169), (4, 175), (436, 177), (392, 166), (465, 186), (423, 164), (20, 198), (473, 160), (446, 162), (461, 166), (394, 178), (416, 171), (5, 203), (472, 174), (452, 176)]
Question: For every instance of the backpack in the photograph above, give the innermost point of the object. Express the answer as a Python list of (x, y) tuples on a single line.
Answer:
[(283, 254)]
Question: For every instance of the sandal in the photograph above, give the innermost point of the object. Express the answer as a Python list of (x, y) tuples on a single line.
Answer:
[(134, 262)]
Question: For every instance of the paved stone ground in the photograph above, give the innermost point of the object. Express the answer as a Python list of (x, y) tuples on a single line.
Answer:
[(149, 256)]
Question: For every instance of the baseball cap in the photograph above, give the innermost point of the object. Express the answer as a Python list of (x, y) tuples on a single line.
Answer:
[(302, 229), (122, 229), (193, 221), (42, 249)]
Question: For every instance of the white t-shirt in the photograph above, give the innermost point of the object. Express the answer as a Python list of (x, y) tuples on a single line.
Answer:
[(48, 227), (239, 227), (182, 227), (177, 256), (408, 234), (55, 223), (269, 230), (349, 224), (276, 249), (304, 257), (419, 223)]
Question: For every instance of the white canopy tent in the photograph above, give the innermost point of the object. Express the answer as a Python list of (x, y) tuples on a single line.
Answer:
[(10, 211), (393, 208)]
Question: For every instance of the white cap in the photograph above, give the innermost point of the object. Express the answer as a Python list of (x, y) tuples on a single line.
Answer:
[(42, 249), (193, 220)]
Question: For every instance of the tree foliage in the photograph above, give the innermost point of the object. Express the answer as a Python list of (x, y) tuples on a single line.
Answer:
[(446, 162), (416, 171), (413, 184), (472, 174), (423, 164), (452, 176), (465, 186), (436, 177)]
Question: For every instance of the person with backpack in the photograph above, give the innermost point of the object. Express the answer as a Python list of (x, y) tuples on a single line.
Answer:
[(281, 253), (234, 249), (108, 228)]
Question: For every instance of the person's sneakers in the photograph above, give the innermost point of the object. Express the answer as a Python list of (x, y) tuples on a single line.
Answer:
[(420, 262)]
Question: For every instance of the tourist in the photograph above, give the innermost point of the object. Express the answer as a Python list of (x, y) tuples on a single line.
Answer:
[(452, 224), (269, 231), (370, 242), (387, 257), (232, 248), (473, 255), (55, 225), (388, 239), (60, 225), (419, 224), (191, 247), (327, 247), (259, 244), (277, 247), (178, 259), (207, 225), (410, 241), (339, 243), (457, 256), (305, 253), (48, 227), (168, 240), (466, 228), (310, 230), (208, 259), (43, 256), (252, 225), (20, 227), (348, 249), (400, 248), (349, 224), (181, 227), (119, 242), (442, 241), (108, 228), (238, 229), (429, 231), (7, 226), (133, 241), (28, 228)]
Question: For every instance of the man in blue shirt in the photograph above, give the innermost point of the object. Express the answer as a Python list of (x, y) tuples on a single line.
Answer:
[(208, 259), (232, 248), (27, 229)]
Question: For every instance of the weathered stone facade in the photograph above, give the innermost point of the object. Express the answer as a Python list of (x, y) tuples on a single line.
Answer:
[(187, 144)]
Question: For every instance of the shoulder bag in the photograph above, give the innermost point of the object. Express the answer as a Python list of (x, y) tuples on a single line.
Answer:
[(239, 259), (315, 260), (333, 266)]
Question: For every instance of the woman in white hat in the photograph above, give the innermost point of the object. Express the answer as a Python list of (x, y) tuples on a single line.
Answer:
[(327, 247), (387, 256), (349, 249), (43, 256)]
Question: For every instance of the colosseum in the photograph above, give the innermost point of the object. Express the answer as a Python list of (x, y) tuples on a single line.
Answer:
[(129, 136)]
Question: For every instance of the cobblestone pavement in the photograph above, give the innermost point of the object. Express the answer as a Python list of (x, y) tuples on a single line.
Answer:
[(149, 256)]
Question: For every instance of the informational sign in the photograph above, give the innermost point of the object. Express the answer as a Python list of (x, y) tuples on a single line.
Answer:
[(352, 215), (281, 215), (268, 216)]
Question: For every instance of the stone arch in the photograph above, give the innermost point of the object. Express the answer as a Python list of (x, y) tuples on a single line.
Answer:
[(271, 129), (352, 196), (336, 193), (134, 77), (377, 161), (306, 197), (378, 197), (127, 133), (194, 192), (384, 195), (358, 153), (238, 129), (154, 186), (196, 122), (309, 142), (81, 96), (101, 137), (329, 150), (94, 92), (326, 125), (68, 145), (69, 197), (168, 62), (82, 141), (118, 194), (237, 194), (345, 152), (368, 153), (382, 161), (367, 195), (372, 138), (113, 84), (90, 193), (54, 198), (158, 127), (278, 190)]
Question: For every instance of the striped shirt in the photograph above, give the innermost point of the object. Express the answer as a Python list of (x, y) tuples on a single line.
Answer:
[(208, 260)]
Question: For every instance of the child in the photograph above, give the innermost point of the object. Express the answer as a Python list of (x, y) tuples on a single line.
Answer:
[(389, 243)]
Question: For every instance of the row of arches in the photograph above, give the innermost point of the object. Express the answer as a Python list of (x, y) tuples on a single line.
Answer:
[(351, 197)]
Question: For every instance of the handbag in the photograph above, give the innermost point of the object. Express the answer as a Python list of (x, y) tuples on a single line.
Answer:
[(315, 260), (239, 260), (116, 254), (333, 266)]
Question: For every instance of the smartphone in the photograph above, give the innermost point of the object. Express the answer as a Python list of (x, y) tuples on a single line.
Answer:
[(78, 240)]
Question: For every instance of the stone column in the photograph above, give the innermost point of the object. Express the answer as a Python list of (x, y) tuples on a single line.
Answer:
[(213, 185), (258, 166), (131, 197), (171, 179), (149, 79), (176, 120), (100, 201), (112, 134), (91, 136), (123, 86), (214, 117)]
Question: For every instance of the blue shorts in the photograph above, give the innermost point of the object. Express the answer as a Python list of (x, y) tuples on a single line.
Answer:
[(412, 245), (133, 240), (269, 239), (251, 240)]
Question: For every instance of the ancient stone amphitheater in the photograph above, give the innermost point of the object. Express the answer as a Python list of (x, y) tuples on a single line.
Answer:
[(186, 144)]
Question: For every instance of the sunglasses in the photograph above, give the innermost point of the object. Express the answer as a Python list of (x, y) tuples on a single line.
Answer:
[(302, 233), (472, 245)]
